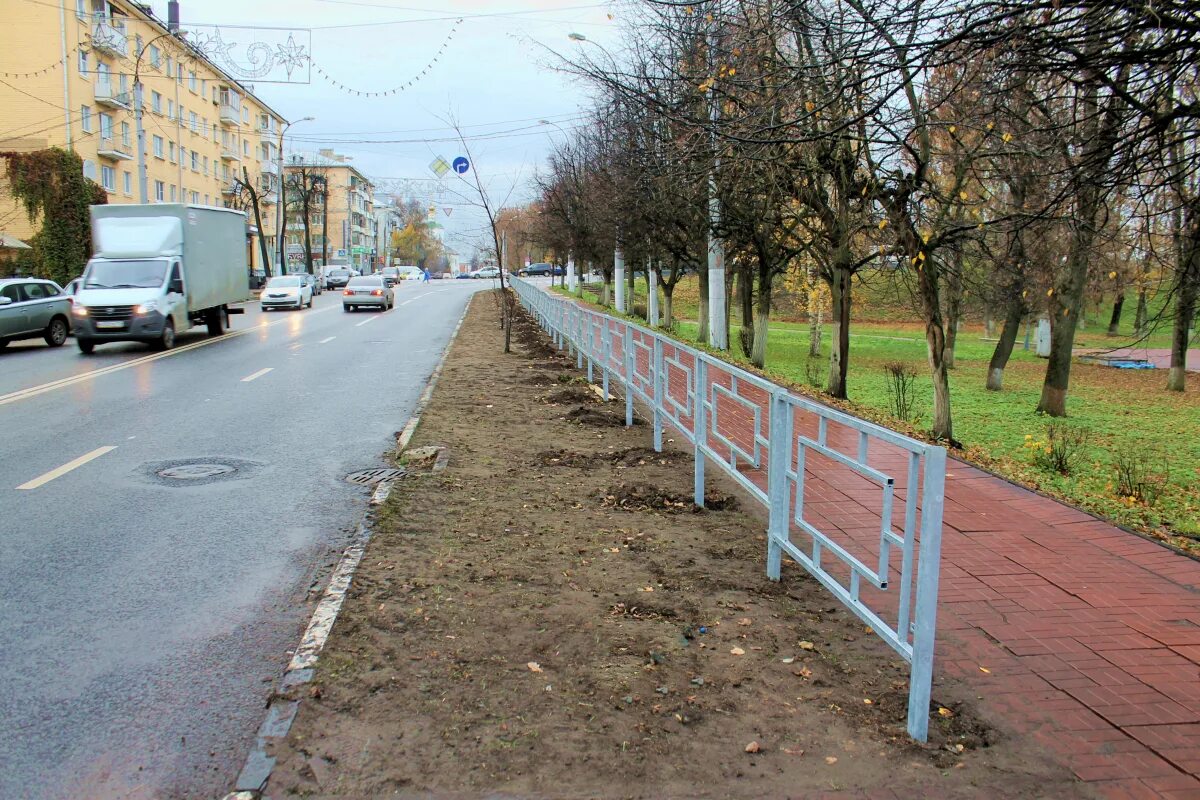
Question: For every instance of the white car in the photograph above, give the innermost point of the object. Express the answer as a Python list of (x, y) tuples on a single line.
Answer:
[(488, 272), (286, 291)]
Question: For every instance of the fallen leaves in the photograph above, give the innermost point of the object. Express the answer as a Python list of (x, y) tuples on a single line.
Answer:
[(737, 651), (807, 646), (744, 621), (534, 666), (793, 751), (985, 670), (753, 747), (830, 760), (945, 712)]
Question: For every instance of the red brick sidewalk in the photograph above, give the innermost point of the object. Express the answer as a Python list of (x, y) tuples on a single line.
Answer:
[(1072, 631)]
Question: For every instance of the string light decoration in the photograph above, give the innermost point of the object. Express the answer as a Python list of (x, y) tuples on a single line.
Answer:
[(44, 70), (385, 93)]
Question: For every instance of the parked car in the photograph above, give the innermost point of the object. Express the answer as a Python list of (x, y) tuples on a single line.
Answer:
[(314, 286), (368, 290), (535, 270), (337, 277), (391, 275), (30, 308), (487, 272), (287, 291), (464, 276)]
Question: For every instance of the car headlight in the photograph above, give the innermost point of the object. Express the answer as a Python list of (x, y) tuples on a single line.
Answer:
[(78, 310), (147, 307)]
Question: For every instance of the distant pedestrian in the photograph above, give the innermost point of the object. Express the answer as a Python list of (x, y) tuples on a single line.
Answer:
[(425, 275)]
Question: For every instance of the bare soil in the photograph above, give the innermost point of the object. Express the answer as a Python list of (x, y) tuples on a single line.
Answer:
[(551, 616)]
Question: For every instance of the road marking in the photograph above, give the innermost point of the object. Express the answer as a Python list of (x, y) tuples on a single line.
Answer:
[(258, 374), (327, 340), (418, 297), (42, 480), (364, 322), (62, 383)]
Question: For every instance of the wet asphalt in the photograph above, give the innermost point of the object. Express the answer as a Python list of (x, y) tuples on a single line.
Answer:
[(143, 619)]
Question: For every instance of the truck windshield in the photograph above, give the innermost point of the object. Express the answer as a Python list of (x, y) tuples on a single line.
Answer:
[(140, 274)]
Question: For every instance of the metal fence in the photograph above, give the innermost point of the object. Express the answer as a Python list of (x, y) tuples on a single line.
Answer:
[(845, 496)]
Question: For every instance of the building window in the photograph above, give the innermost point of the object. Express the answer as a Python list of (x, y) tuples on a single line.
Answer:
[(174, 195), (203, 86), (89, 169), (183, 155), (159, 191), (106, 126), (193, 121), (245, 114), (158, 146), (245, 147), (206, 165), (179, 75), (155, 56), (170, 67), (83, 64), (125, 133), (171, 151), (192, 80), (156, 102), (206, 199), (195, 162), (81, 10), (108, 178), (128, 176), (85, 118), (196, 198), (170, 109)]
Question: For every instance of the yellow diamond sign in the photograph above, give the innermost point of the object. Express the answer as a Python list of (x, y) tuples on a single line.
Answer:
[(439, 166)]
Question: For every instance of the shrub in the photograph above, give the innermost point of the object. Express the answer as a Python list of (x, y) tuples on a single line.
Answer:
[(1139, 478), (1060, 450), (901, 387)]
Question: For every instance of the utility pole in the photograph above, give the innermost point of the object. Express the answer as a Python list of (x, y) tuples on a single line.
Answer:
[(717, 309)]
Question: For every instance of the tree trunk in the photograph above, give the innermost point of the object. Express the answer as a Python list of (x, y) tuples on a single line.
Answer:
[(1114, 322), (1139, 317), (745, 295), (606, 292), (1008, 337), (1187, 285), (702, 310), (953, 306), (762, 316), (1065, 306), (262, 240), (839, 353), (307, 236), (814, 314), (668, 317)]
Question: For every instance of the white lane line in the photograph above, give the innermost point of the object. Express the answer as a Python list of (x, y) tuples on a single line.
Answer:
[(258, 374), (364, 322), (34, 391), (41, 480), (327, 340), (418, 297)]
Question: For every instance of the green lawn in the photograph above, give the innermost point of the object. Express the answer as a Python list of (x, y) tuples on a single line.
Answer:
[(1125, 412)]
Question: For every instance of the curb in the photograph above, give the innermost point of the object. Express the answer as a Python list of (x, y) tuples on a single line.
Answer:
[(282, 708)]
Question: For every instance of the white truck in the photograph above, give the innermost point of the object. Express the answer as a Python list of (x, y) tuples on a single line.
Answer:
[(159, 269)]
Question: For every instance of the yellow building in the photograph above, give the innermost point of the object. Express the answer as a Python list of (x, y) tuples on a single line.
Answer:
[(68, 71), (351, 217)]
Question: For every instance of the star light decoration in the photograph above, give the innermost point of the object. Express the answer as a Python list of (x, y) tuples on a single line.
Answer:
[(263, 57)]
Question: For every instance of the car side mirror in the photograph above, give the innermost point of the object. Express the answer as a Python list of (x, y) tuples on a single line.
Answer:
[(5, 301)]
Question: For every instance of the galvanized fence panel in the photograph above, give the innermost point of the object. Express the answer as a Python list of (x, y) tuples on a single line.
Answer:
[(856, 505)]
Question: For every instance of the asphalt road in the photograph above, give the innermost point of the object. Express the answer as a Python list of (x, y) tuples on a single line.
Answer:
[(141, 623)]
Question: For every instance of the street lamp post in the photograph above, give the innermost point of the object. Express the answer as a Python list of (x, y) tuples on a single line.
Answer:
[(283, 195), (143, 184)]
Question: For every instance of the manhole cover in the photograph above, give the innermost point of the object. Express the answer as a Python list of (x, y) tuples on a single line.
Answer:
[(370, 477), (195, 472)]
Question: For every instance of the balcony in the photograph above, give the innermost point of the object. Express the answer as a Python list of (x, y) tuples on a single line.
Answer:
[(268, 167), (109, 38), (229, 153), (230, 115), (107, 95), (230, 188), (113, 150)]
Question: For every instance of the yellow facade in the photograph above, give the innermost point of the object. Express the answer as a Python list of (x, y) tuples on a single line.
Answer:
[(68, 73), (351, 218)]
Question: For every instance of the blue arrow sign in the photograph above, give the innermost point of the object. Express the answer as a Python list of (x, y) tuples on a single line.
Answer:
[(461, 165)]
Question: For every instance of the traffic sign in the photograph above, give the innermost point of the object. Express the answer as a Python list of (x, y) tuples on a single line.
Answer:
[(461, 165), (440, 167)]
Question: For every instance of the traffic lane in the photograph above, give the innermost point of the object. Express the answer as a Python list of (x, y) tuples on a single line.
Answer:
[(31, 362), (136, 584)]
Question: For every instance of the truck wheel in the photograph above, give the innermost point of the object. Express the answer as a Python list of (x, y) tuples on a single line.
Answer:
[(216, 319), (86, 346), (56, 332), (167, 340)]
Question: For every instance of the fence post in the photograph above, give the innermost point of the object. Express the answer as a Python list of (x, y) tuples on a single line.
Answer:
[(605, 356), (779, 491), (577, 315), (925, 616), (700, 428), (629, 362), (660, 389)]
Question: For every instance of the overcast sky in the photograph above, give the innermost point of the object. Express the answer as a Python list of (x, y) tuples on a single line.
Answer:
[(494, 75)]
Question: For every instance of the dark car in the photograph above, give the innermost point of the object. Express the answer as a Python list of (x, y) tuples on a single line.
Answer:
[(32, 308), (536, 269), (338, 277), (464, 276)]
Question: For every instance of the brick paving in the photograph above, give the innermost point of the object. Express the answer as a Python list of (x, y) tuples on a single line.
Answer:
[(1074, 632)]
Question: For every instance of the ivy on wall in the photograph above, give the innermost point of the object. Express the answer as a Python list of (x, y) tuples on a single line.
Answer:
[(50, 185)]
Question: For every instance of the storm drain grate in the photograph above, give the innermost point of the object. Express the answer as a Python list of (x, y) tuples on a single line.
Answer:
[(370, 477)]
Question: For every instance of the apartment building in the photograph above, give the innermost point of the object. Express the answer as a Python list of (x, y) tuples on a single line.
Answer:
[(349, 218), (78, 59)]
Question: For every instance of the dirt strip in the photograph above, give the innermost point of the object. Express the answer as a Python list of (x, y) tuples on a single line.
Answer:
[(551, 617)]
